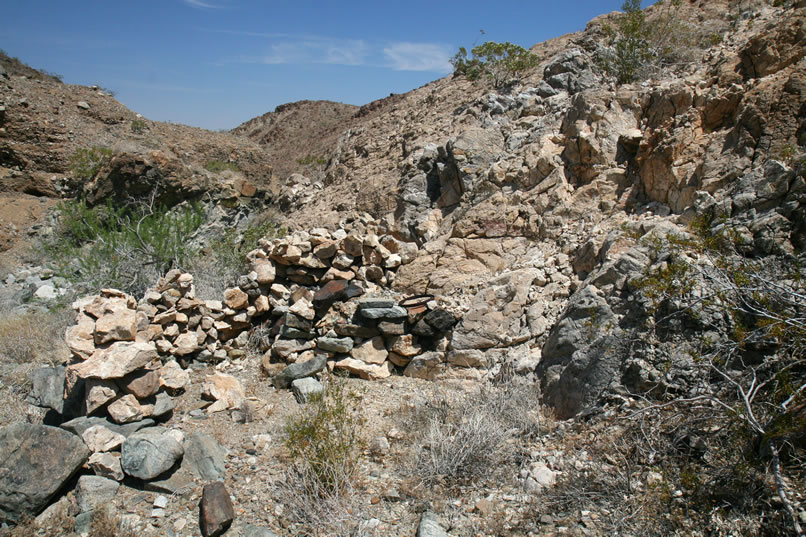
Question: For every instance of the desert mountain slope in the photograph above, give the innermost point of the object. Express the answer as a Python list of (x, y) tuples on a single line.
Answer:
[(299, 134), (581, 306)]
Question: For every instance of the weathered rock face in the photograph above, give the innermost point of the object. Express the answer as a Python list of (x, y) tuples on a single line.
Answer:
[(148, 453), (496, 315), (36, 462)]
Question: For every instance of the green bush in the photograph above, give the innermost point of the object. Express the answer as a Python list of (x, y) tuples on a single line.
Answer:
[(638, 46), (123, 247), (326, 437), (312, 160), (138, 126), (502, 63), (85, 162), (218, 166), (224, 259)]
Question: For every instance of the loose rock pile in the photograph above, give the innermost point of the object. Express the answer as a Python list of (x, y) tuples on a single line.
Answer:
[(321, 297)]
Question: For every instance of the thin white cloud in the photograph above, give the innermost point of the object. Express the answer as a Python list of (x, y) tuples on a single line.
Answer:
[(318, 50), (419, 57), (200, 4), (350, 52)]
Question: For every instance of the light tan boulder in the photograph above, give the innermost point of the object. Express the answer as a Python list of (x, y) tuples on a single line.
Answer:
[(97, 393), (225, 390), (80, 337), (186, 343), (303, 308), (125, 410), (106, 465), (371, 351), (261, 304), (366, 371), (141, 383), (173, 377), (265, 271), (404, 345), (116, 361), (236, 299), (116, 322), (99, 439)]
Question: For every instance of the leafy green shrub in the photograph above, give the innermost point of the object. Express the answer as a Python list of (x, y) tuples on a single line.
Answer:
[(638, 46), (326, 436), (123, 247), (138, 126), (325, 442), (752, 361), (86, 162), (502, 63), (312, 160), (225, 257), (218, 166)]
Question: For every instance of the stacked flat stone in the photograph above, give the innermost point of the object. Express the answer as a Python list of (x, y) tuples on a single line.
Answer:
[(115, 369)]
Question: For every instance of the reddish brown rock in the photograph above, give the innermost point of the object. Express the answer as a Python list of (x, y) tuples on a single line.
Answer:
[(141, 384), (215, 510), (236, 299)]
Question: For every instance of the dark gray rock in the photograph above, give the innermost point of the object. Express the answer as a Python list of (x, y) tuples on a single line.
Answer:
[(423, 329), (148, 453), (392, 328), (78, 425), (429, 526), (293, 321), (582, 355), (306, 388), (375, 303), (300, 370), (163, 405), (215, 510), (355, 330), (35, 462), (295, 333), (335, 291), (178, 483), (83, 523), (204, 457), (47, 391), (332, 344), (393, 312), (441, 320), (94, 491), (569, 71)]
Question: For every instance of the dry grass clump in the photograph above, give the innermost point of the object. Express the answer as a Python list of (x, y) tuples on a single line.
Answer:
[(461, 438), (34, 336), (27, 341), (325, 442)]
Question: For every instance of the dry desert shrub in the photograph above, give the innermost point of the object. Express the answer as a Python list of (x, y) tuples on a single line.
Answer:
[(34, 336), (463, 437), (325, 442)]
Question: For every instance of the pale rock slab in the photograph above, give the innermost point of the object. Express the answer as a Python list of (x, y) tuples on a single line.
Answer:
[(225, 390), (125, 410), (371, 351), (115, 362), (98, 393), (367, 371), (100, 439), (80, 338), (106, 465)]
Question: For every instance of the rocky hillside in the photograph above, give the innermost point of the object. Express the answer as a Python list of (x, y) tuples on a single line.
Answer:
[(299, 136), (581, 303)]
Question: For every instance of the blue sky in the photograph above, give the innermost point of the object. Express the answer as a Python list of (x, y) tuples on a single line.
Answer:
[(217, 63)]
